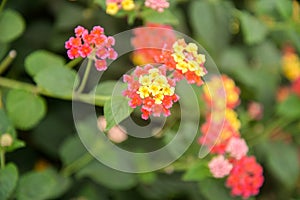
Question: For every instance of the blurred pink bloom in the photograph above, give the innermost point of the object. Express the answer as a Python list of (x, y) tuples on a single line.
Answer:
[(255, 110), (116, 134), (158, 5), (237, 148), (219, 166)]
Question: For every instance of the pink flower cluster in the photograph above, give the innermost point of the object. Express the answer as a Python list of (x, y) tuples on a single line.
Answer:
[(151, 89), (245, 175), (94, 45), (158, 5)]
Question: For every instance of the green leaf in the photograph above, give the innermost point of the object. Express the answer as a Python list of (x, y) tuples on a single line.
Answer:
[(106, 88), (214, 189), (254, 31), (6, 125), (108, 177), (8, 180), (47, 184), (3, 49), (17, 144), (210, 21), (68, 16), (282, 160), (197, 171), (101, 3), (25, 109), (290, 107), (166, 17), (12, 25), (115, 110), (285, 8), (71, 150), (40, 60), (57, 81)]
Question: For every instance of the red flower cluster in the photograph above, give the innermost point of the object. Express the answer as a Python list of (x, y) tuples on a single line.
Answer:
[(245, 175), (95, 45), (148, 42), (149, 88)]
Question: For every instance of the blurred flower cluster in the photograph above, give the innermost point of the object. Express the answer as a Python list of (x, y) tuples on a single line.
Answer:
[(220, 134)]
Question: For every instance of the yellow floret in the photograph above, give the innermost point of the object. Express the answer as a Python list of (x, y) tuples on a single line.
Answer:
[(200, 58), (169, 91), (161, 81), (191, 48), (144, 80), (143, 92), (128, 5), (112, 8), (158, 98), (154, 89), (182, 66)]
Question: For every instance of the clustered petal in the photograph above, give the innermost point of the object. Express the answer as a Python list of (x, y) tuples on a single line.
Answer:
[(245, 175), (158, 5), (113, 6), (95, 45), (150, 88)]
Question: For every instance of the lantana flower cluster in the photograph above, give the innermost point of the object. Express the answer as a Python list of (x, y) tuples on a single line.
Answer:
[(291, 68), (154, 88), (158, 5), (113, 6), (244, 174), (94, 45), (150, 88)]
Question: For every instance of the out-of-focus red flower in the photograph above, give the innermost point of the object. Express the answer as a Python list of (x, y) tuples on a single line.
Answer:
[(149, 41), (296, 86), (245, 178)]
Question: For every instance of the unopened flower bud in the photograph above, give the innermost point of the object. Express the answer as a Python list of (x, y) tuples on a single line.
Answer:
[(6, 140)]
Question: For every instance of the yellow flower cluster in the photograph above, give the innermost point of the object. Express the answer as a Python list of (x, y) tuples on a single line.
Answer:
[(187, 58), (113, 7), (291, 66), (155, 86)]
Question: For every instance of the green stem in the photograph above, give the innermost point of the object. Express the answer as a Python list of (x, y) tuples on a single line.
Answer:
[(77, 164), (2, 5), (7, 60), (9, 83), (85, 76), (73, 63), (86, 98), (2, 157)]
